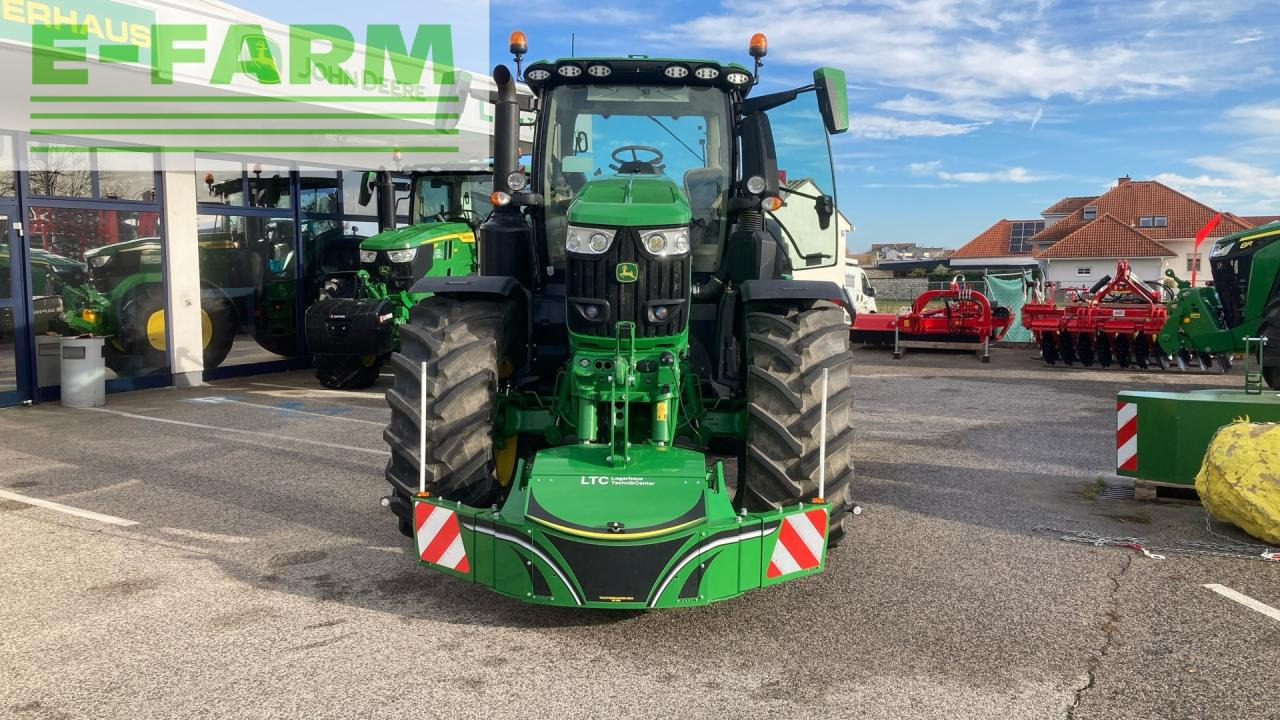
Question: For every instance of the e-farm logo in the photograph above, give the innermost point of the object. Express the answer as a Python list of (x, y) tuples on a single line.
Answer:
[(109, 70), (323, 53)]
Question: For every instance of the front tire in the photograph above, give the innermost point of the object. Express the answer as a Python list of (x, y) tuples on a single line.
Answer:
[(460, 342), (787, 350)]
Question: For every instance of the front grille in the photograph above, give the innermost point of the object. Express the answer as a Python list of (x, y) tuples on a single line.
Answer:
[(400, 276), (660, 282)]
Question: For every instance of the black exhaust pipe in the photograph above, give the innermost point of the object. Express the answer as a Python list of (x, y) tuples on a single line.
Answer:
[(506, 130), (386, 201)]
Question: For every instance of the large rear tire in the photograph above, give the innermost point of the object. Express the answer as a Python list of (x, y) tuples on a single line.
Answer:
[(139, 347), (348, 372), (461, 342), (787, 350)]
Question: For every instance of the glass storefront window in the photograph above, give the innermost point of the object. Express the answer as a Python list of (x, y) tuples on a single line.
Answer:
[(352, 181), (126, 176), (101, 272), (318, 192), (219, 181), (8, 165), (331, 251), (247, 267), (59, 170), (8, 359), (269, 186)]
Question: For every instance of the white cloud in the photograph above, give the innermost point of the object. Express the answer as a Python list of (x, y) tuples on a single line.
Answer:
[(1252, 36), (1261, 119), (924, 168), (1228, 184), (1008, 175), (967, 109), (883, 127)]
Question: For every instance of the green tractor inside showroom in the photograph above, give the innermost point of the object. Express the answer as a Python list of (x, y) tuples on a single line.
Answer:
[(353, 330), (641, 320)]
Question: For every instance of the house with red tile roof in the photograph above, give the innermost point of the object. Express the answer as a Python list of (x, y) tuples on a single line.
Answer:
[(1080, 238)]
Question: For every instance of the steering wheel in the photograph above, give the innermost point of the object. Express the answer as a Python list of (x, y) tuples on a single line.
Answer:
[(635, 165)]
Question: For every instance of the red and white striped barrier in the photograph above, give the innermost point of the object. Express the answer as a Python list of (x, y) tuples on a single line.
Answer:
[(1126, 436), (802, 539), (439, 537)]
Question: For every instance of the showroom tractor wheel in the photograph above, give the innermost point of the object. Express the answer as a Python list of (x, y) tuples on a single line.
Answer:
[(140, 346)]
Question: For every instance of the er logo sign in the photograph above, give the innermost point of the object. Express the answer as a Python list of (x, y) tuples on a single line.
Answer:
[(627, 272)]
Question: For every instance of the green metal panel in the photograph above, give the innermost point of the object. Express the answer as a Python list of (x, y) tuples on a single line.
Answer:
[(698, 553), (1174, 429)]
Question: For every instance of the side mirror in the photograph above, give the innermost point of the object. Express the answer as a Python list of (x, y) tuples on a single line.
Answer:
[(869, 292), (825, 206), (366, 188), (833, 98)]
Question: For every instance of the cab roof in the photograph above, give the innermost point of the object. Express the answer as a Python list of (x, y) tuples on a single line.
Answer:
[(638, 70)]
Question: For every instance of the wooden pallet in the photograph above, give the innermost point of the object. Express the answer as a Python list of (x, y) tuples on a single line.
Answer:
[(1151, 491)]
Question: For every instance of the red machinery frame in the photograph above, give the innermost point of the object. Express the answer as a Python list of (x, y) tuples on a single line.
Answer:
[(1118, 318), (966, 321)]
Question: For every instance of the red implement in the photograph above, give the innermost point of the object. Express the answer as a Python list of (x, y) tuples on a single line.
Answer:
[(1116, 320), (964, 317)]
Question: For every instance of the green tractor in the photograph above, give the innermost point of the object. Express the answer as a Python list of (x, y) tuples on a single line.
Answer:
[(1208, 323), (247, 279), (354, 328), (563, 422), (49, 273)]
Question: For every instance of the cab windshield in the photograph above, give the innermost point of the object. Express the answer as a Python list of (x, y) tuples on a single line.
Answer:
[(681, 133), (462, 198)]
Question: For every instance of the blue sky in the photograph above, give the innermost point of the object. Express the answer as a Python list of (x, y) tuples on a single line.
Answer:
[(966, 111)]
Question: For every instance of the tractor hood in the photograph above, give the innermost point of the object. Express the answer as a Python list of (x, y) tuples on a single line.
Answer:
[(147, 244), (631, 201), (418, 235)]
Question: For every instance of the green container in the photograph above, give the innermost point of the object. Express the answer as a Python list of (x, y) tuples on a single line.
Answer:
[(1162, 436)]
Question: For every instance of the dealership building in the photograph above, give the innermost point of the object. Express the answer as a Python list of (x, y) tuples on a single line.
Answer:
[(206, 214)]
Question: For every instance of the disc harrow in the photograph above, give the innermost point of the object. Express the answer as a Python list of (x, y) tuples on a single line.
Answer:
[(1115, 322)]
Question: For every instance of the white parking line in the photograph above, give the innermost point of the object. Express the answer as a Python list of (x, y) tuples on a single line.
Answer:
[(238, 431), (59, 507), (219, 400), (1245, 600), (318, 392)]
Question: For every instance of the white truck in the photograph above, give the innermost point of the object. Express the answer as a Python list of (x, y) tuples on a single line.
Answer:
[(859, 287)]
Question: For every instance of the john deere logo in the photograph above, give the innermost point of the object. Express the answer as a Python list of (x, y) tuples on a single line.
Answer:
[(384, 269), (627, 272)]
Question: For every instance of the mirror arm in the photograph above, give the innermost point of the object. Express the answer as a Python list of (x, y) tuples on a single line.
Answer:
[(765, 103), (795, 246)]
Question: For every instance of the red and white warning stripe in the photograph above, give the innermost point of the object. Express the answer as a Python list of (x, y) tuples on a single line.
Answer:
[(439, 537), (1126, 436), (802, 539)]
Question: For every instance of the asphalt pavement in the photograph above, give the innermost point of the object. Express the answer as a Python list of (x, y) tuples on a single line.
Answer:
[(220, 552)]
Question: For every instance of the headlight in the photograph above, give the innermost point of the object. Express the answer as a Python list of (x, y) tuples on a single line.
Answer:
[(589, 241), (99, 260), (665, 242), (368, 256), (402, 256)]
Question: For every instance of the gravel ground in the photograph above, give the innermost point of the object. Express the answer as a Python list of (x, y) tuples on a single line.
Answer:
[(263, 580)]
